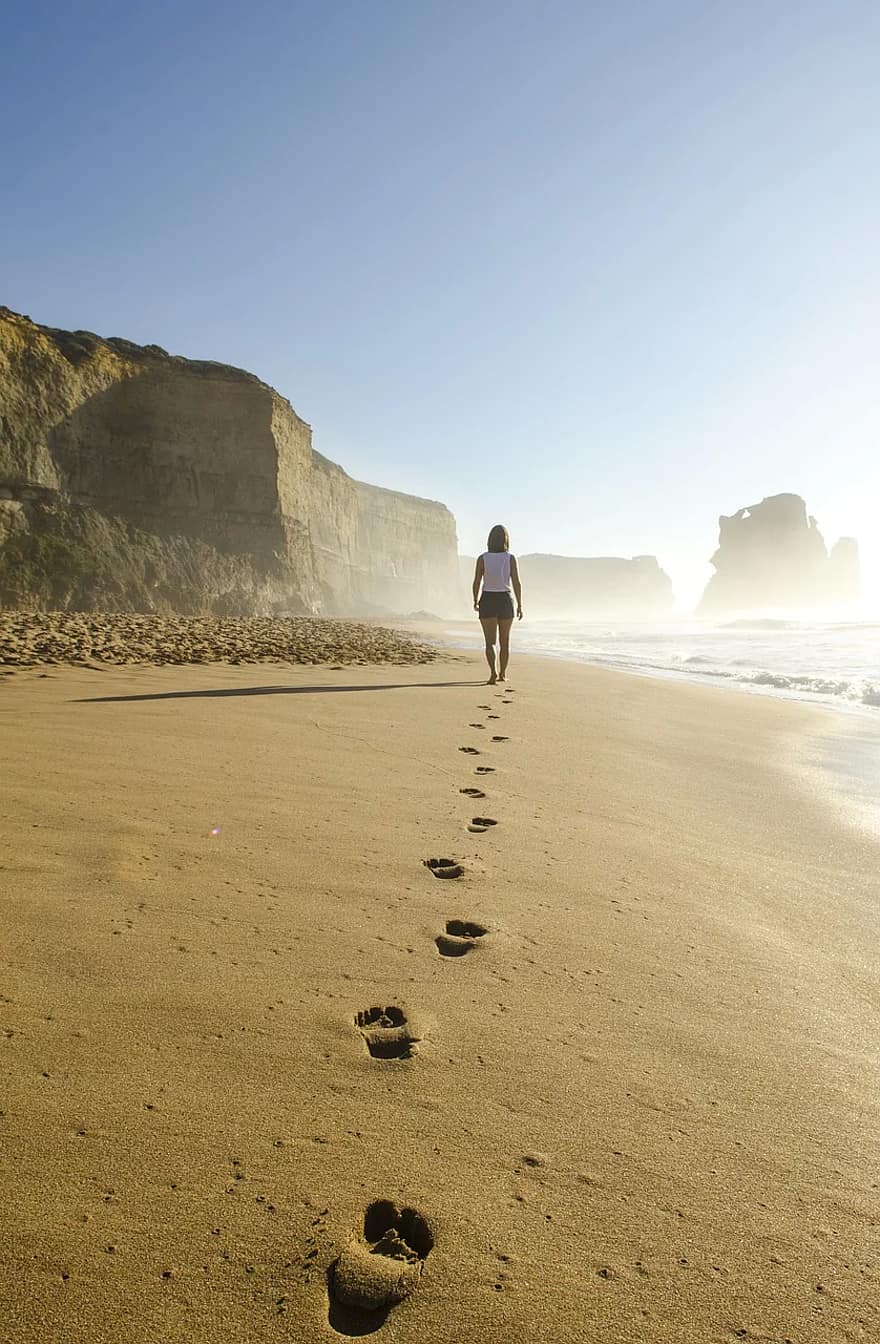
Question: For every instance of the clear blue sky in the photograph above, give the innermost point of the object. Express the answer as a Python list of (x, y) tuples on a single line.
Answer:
[(599, 271)]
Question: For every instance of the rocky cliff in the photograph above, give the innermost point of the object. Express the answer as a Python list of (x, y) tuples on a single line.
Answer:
[(131, 479), (562, 585), (772, 555), (575, 586)]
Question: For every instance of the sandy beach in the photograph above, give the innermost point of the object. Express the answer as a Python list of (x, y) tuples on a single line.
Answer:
[(107, 639), (631, 1094)]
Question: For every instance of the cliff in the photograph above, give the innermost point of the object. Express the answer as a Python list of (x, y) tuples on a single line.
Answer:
[(131, 479), (600, 586), (576, 586), (772, 555)]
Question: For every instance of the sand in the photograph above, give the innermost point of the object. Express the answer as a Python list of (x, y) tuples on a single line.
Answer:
[(101, 639), (263, 1070)]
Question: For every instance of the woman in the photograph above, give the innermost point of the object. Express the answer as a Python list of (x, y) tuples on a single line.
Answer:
[(496, 570)]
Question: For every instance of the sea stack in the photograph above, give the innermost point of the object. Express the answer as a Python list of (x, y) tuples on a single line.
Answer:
[(772, 555)]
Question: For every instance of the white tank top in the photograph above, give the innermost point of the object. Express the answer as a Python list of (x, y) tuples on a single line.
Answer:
[(496, 571)]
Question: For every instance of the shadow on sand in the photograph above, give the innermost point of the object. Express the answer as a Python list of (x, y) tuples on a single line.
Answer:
[(272, 690), (352, 1321)]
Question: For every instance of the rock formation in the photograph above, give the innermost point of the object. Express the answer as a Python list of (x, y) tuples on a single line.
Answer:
[(131, 479), (596, 587), (601, 586), (772, 555), (844, 572)]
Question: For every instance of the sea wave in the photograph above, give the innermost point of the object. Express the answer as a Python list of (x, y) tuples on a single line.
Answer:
[(835, 664), (787, 682), (799, 684), (761, 623)]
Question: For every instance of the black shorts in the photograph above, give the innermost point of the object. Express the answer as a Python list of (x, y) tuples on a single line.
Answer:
[(499, 605)]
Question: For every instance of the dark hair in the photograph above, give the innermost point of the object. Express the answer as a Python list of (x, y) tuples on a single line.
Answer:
[(498, 539)]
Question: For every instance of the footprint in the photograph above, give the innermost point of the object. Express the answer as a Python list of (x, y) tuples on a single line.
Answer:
[(507, 702), (500, 739), (375, 1273), (493, 716), (469, 751), (476, 725), (483, 769), (386, 1032), (484, 706), (473, 793), (460, 937), (444, 867), (481, 824)]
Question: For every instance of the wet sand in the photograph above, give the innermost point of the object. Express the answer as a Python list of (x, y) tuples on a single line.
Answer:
[(616, 1081)]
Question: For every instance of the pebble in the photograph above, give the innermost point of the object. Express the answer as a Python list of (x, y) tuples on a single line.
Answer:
[(99, 639)]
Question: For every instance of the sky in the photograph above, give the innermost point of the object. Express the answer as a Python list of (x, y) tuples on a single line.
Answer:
[(597, 271)]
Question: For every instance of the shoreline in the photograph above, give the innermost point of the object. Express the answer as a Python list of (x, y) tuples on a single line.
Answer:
[(642, 1106), (456, 635), (837, 757), (850, 760)]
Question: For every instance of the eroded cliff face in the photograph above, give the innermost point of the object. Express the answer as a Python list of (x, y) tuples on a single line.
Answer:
[(134, 480), (584, 587), (772, 555), (596, 586)]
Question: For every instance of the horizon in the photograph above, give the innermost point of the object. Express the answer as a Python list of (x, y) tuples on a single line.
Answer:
[(684, 603), (603, 276)]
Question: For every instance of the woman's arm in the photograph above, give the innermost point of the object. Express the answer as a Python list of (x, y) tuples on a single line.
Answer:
[(478, 579), (517, 586)]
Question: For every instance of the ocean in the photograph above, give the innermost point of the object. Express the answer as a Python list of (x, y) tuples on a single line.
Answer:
[(832, 663)]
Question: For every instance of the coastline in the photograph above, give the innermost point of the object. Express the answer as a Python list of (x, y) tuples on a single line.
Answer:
[(842, 764), (701, 653), (836, 758), (644, 1108)]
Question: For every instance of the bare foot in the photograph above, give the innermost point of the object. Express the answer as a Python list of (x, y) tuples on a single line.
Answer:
[(492, 680)]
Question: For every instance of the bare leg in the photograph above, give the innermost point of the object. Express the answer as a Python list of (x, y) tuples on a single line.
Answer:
[(504, 641), (490, 630)]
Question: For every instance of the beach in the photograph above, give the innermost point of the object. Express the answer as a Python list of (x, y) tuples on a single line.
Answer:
[(632, 1094)]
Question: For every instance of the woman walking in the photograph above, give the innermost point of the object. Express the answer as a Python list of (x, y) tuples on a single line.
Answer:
[(497, 571)]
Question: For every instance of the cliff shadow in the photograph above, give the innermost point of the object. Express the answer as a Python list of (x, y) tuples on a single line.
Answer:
[(222, 693)]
